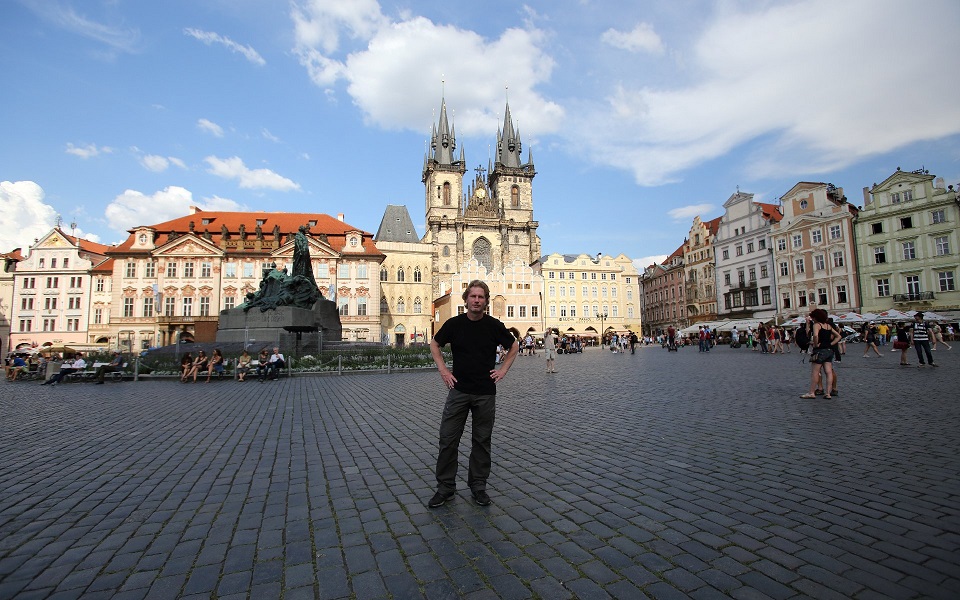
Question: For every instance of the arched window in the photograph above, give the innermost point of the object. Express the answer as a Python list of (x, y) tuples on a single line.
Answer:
[(400, 275), (401, 306), (481, 252), (417, 306), (516, 239), (383, 274), (384, 307), (417, 278), (446, 250), (446, 193), (515, 197)]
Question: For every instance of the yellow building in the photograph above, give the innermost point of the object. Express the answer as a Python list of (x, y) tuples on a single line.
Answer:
[(907, 243), (590, 296), (406, 289)]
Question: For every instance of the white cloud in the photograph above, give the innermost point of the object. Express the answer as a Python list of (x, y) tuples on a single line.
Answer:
[(24, 216), (646, 261), (117, 38), (395, 75), (132, 208), (233, 168), (641, 38), (88, 151), (152, 162), (209, 37), (690, 211), (176, 161), (269, 136), (811, 84), (210, 127)]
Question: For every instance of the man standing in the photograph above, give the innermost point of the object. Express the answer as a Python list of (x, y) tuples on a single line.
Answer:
[(473, 338), (921, 339), (550, 350)]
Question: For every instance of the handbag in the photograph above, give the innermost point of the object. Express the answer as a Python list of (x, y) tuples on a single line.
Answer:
[(897, 344), (820, 355)]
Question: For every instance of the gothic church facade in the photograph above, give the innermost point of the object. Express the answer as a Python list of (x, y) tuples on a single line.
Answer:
[(488, 217)]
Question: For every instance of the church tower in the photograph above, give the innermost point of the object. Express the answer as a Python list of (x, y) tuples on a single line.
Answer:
[(512, 185), (490, 219)]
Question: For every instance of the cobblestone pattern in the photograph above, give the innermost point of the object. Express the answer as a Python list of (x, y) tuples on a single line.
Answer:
[(655, 475)]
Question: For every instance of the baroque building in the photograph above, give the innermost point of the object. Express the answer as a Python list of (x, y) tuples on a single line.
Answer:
[(698, 262), (814, 252), (406, 290), (745, 278), (170, 280), (51, 294), (488, 219), (907, 245)]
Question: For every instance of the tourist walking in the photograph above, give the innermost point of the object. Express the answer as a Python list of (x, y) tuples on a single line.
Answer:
[(473, 337), (870, 336), (936, 336), (902, 343)]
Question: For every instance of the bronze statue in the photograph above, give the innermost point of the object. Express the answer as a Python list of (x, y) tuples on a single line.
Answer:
[(278, 288)]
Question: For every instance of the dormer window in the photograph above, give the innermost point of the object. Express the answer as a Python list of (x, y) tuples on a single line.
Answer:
[(143, 239), (206, 221), (260, 222)]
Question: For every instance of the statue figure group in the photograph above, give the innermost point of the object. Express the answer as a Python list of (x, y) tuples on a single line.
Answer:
[(279, 288)]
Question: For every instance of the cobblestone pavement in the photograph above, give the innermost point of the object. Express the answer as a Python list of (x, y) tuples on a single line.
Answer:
[(660, 475)]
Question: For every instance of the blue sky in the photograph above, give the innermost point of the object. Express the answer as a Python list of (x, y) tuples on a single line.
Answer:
[(640, 115)]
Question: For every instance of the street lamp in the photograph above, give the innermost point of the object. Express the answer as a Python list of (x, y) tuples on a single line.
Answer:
[(603, 316)]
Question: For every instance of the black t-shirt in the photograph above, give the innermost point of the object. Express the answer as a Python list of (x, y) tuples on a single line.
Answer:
[(474, 345)]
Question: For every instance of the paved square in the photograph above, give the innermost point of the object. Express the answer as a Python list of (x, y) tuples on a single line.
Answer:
[(660, 475)]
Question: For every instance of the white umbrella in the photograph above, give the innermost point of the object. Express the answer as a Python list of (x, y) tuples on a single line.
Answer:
[(850, 317), (796, 321), (894, 315), (927, 316)]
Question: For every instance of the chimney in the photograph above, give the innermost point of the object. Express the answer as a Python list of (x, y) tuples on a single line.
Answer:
[(340, 217), (866, 196), (194, 210)]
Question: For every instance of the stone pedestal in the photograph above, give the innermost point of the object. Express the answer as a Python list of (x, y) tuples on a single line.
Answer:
[(279, 325)]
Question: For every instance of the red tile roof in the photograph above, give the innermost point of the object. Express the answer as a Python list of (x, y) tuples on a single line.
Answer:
[(214, 222), (771, 212)]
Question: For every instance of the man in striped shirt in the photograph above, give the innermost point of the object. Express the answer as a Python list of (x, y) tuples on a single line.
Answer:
[(921, 340)]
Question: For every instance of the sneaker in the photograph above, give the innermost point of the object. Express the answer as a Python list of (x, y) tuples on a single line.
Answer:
[(481, 497), (921, 365), (439, 499), (934, 365)]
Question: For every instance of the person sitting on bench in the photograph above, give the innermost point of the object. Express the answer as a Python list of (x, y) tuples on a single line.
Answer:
[(111, 367), (275, 363), (78, 365)]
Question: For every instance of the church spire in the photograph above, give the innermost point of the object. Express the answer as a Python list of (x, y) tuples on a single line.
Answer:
[(443, 140), (508, 142)]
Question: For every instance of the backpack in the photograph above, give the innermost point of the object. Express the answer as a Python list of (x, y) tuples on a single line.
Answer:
[(802, 339)]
